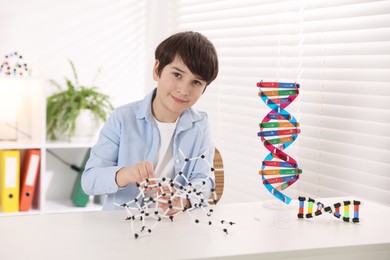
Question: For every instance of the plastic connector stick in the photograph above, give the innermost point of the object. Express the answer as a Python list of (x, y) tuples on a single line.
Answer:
[(277, 85)]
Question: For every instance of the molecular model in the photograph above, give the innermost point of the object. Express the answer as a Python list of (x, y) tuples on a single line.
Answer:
[(143, 208), (13, 65), (335, 209), (278, 130)]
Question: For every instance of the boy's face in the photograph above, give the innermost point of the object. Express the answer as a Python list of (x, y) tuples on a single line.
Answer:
[(177, 90)]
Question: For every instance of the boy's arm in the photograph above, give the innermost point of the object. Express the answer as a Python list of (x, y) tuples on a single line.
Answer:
[(101, 168), (202, 177)]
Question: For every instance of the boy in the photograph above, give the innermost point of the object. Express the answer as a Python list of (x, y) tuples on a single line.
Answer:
[(142, 140)]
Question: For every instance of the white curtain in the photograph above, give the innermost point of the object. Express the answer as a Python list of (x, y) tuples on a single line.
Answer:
[(339, 51)]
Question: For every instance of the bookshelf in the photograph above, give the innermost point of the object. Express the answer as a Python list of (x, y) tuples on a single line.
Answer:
[(56, 180)]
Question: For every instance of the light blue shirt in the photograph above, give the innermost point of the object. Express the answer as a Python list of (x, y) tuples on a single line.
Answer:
[(130, 135)]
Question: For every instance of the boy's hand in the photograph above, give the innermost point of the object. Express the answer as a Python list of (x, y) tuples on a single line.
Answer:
[(176, 202), (136, 173)]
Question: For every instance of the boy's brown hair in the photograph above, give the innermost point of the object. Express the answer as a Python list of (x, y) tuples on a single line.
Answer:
[(196, 51)]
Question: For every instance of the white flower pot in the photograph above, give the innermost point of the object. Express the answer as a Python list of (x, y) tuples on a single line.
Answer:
[(87, 129)]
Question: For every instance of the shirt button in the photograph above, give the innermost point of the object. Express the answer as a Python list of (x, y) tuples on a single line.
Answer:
[(177, 161)]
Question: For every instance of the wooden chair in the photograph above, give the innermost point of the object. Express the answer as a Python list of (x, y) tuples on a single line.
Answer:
[(219, 175)]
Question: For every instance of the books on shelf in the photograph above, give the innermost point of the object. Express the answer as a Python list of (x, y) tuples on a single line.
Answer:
[(22, 188), (9, 180), (29, 176), (79, 197), (18, 179)]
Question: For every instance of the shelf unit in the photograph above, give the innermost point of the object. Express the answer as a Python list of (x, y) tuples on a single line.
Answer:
[(56, 180)]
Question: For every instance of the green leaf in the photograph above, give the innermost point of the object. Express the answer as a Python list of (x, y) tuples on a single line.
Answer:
[(64, 106)]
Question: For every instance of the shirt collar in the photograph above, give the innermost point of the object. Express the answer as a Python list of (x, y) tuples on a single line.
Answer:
[(145, 108)]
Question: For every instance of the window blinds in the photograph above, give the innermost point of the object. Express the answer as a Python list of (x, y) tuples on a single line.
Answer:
[(339, 51)]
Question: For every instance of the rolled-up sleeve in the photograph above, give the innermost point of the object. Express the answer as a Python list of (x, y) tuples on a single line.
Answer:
[(200, 173)]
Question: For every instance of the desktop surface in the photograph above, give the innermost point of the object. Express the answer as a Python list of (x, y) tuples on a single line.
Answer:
[(266, 230)]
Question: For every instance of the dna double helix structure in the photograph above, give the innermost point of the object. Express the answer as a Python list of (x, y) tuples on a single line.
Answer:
[(278, 130), (333, 209)]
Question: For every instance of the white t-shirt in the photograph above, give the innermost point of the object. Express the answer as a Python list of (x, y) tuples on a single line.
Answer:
[(163, 166)]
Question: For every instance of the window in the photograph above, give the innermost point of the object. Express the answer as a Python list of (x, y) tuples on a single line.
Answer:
[(339, 51)]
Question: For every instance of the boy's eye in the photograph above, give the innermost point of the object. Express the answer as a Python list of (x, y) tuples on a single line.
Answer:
[(177, 75), (197, 83)]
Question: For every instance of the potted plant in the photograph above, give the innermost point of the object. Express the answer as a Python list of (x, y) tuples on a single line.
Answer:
[(65, 106)]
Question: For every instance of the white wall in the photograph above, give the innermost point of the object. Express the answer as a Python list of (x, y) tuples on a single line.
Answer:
[(109, 35), (158, 27)]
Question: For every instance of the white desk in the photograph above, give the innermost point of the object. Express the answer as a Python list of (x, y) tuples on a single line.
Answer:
[(260, 232)]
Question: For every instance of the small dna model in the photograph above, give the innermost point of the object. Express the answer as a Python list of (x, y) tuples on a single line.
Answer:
[(13, 65), (278, 130), (335, 209)]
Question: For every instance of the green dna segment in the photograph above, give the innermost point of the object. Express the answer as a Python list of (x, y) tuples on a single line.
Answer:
[(278, 130)]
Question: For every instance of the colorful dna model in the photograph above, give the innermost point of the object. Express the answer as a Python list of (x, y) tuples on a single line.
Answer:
[(335, 209), (278, 130)]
